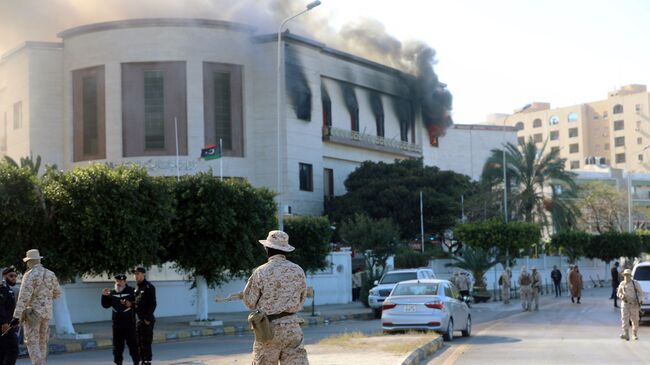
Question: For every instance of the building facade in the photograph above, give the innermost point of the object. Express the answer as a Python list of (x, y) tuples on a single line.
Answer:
[(613, 132), (154, 92)]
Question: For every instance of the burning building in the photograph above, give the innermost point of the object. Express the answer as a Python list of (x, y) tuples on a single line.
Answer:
[(156, 91)]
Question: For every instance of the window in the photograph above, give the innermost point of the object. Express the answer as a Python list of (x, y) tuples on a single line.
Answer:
[(637, 108), (575, 165), (573, 132), (153, 102), (640, 158), (639, 140), (619, 141), (618, 109), (18, 115), (605, 114), (89, 114), (521, 141), (328, 183), (537, 138), (620, 158), (606, 146), (574, 148), (537, 123), (553, 120), (223, 107), (619, 125), (573, 117), (327, 108), (519, 126), (596, 116), (306, 177), (555, 149), (555, 135)]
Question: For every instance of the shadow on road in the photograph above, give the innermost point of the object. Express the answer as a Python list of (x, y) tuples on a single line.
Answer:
[(483, 340)]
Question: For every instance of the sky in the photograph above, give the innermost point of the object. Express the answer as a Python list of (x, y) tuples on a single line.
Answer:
[(495, 56)]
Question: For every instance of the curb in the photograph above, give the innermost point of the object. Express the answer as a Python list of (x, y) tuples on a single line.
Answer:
[(422, 352), (168, 336)]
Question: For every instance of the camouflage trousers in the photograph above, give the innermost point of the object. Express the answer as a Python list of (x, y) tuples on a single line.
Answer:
[(36, 337), (505, 293), (526, 295), (534, 297), (285, 347), (629, 313)]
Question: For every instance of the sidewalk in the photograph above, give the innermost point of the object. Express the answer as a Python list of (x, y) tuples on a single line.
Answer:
[(175, 328)]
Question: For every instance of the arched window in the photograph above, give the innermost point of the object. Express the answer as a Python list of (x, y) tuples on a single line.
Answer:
[(553, 120), (572, 117), (618, 109), (519, 126), (537, 123)]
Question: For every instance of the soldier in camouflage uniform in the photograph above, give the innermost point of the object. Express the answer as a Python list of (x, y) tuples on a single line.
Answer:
[(38, 289), (525, 281), (631, 295), (278, 288), (535, 287), (504, 280)]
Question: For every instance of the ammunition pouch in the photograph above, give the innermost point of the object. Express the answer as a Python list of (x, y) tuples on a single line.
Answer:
[(261, 326)]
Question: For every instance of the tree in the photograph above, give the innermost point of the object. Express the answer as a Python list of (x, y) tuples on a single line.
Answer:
[(378, 239), (510, 240), (536, 178), (380, 190), (603, 207), (573, 244), (102, 221), (215, 231), (609, 246), (311, 237)]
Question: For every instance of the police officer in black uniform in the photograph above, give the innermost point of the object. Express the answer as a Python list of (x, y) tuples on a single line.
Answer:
[(145, 305), (123, 319), (9, 338)]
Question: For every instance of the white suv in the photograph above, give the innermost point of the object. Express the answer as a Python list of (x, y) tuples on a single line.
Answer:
[(385, 285), (641, 273)]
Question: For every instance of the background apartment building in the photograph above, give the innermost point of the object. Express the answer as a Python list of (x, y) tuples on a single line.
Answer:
[(614, 132)]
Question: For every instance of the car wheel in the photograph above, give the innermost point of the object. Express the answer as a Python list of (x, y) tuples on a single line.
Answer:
[(468, 328), (377, 313), (449, 334)]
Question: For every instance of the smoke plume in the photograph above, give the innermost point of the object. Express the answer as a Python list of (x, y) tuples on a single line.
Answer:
[(297, 85), (378, 110), (351, 103)]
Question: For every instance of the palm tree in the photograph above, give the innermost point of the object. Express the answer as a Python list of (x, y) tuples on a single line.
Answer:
[(476, 260), (539, 186)]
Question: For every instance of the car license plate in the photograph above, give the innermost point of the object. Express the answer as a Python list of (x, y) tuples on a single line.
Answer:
[(409, 308)]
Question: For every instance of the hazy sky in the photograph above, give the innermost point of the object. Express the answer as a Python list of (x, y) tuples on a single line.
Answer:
[(495, 56)]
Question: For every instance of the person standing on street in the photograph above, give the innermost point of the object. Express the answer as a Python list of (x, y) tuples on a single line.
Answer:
[(631, 295), (524, 282), (356, 284), (462, 282), (145, 305), (575, 284), (556, 276), (568, 272), (504, 280), (536, 286), (39, 287), (616, 280), (9, 338), (123, 319), (278, 288)]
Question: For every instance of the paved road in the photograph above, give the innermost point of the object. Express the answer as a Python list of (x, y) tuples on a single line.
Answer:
[(560, 333), (193, 351)]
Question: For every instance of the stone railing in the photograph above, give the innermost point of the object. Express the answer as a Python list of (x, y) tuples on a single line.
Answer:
[(363, 140)]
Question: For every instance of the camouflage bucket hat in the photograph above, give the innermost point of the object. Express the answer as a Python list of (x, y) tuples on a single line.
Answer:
[(278, 240)]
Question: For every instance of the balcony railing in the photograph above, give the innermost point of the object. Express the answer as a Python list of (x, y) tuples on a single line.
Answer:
[(367, 141)]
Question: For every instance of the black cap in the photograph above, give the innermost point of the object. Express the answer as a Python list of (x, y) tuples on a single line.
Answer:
[(139, 269), (120, 277), (8, 270)]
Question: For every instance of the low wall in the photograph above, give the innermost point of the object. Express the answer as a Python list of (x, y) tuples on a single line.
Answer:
[(176, 298)]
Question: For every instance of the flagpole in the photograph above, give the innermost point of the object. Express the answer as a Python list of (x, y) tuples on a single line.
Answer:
[(221, 158), (176, 132)]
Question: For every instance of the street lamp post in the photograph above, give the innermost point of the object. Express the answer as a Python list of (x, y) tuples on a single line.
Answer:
[(279, 100)]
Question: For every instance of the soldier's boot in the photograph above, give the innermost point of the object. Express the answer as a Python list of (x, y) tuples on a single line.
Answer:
[(635, 337), (536, 307), (625, 335)]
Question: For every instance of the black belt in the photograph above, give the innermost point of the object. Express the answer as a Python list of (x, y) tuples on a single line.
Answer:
[(273, 317)]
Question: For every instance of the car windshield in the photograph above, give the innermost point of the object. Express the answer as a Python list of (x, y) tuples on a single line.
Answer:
[(642, 273), (416, 289), (396, 277)]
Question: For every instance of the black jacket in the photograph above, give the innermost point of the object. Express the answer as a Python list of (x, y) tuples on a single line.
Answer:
[(556, 275), (7, 303), (122, 315), (145, 301)]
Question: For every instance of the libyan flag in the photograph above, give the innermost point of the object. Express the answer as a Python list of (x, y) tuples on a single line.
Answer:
[(211, 152)]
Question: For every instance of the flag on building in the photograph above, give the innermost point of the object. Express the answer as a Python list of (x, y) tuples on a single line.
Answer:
[(211, 152)]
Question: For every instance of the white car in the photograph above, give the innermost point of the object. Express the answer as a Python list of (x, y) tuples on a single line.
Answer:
[(383, 286), (641, 273), (428, 304)]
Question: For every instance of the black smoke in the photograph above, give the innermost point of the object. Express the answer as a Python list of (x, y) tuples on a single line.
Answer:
[(297, 85), (351, 103), (378, 111), (327, 105)]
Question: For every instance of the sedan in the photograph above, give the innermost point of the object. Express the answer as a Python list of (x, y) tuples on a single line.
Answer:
[(426, 304)]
